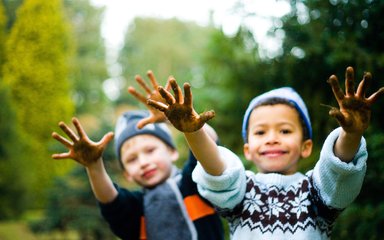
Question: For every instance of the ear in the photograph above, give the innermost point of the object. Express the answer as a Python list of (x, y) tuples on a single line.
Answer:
[(306, 148), (174, 155), (247, 154)]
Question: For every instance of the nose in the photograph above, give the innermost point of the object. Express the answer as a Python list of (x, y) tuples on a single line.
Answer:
[(143, 160), (272, 137)]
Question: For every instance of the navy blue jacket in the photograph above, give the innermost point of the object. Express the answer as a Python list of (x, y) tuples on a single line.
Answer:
[(126, 219)]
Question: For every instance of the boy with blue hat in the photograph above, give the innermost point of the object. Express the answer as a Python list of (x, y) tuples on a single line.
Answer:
[(278, 202), (168, 206)]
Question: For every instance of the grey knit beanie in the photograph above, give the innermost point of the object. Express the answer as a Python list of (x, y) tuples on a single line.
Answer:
[(126, 128)]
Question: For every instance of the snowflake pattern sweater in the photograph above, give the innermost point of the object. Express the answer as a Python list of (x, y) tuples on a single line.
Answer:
[(275, 206)]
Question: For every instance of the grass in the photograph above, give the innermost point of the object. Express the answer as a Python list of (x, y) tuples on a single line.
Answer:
[(15, 230), (20, 231)]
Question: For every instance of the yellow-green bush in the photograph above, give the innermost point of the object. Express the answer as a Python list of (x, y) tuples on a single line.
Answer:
[(35, 69)]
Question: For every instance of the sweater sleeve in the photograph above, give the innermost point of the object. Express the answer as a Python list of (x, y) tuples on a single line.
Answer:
[(124, 213), (338, 182), (224, 191)]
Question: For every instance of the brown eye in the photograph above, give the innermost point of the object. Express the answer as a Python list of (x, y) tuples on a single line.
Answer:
[(260, 132), (286, 131)]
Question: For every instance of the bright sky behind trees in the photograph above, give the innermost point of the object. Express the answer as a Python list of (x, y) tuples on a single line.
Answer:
[(255, 14), (119, 13)]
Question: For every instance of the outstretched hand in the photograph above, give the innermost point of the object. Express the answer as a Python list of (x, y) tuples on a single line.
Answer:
[(355, 109), (179, 109), (155, 115), (81, 149)]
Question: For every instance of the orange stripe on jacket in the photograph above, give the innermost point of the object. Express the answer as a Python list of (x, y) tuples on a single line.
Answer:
[(143, 234), (196, 208)]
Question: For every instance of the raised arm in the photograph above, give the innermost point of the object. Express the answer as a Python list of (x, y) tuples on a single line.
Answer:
[(180, 112), (89, 154), (354, 112)]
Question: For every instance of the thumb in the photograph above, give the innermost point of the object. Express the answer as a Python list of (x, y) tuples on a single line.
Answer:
[(335, 113), (206, 116), (143, 122), (107, 138)]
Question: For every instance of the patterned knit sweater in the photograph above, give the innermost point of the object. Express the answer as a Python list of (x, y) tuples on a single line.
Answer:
[(275, 206)]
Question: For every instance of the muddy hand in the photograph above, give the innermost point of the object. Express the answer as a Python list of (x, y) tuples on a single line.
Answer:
[(81, 148), (179, 109), (354, 110), (155, 115)]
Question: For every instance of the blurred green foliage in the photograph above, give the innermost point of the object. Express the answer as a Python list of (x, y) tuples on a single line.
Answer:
[(37, 78), (10, 7), (72, 206), (165, 46), (54, 65), (231, 65), (87, 65), (14, 175), (3, 23)]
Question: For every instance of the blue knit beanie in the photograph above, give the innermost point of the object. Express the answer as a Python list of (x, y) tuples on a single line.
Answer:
[(284, 93), (126, 128)]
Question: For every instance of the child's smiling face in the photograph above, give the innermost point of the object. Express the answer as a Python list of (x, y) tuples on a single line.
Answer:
[(147, 160), (275, 139)]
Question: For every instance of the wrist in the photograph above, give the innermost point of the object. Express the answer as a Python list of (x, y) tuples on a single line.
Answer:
[(350, 136), (347, 145), (95, 165)]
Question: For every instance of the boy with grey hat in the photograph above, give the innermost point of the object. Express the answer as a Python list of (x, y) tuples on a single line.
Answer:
[(169, 205), (278, 202)]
